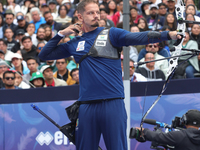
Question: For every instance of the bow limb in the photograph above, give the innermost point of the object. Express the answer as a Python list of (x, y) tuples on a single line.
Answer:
[(173, 62)]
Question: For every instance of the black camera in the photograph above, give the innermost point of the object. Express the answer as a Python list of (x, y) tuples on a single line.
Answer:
[(177, 123)]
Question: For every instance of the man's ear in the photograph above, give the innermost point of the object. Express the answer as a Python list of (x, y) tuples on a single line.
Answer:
[(80, 17)]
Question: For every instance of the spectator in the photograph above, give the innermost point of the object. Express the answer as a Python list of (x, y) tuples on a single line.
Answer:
[(190, 9), (55, 26), (19, 13), (142, 24), (155, 21), (171, 22), (3, 68), (40, 36), (118, 16), (32, 65), (59, 3), (102, 23), (69, 7), (187, 2), (3, 47), (51, 63), (9, 36), (37, 20), (150, 71), (50, 81), (29, 49), (28, 16), (165, 2), (11, 5), (158, 47), (75, 75), (63, 18), (53, 9), (191, 66), (44, 8), (136, 4), (1, 26), (135, 77), (19, 81), (103, 5), (2, 9), (103, 15), (63, 73), (40, 3), (9, 17), (135, 28), (171, 6), (31, 31), (156, 2), (2, 57), (195, 34), (39, 48), (48, 33), (22, 23), (153, 48), (18, 65), (189, 17), (9, 80), (71, 63), (145, 9), (37, 79), (18, 46), (134, 16), (24, 7), (162, 9)]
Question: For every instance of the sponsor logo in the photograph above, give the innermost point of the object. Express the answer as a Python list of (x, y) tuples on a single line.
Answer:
[(102, 37), (44, 138), (100, 43), (59, 138), (81, 46)]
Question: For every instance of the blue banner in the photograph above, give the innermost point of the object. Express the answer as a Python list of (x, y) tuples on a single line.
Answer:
[(22, 128)]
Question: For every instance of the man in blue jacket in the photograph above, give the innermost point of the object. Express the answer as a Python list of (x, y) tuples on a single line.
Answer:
[(98, 53)]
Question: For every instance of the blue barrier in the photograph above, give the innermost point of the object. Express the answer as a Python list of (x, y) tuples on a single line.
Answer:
[(21, 128)]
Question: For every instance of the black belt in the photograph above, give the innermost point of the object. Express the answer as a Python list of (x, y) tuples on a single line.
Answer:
[(97, 101)]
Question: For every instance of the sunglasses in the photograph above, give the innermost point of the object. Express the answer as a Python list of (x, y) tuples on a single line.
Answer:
[(49, 62), (8, 78), (150, 46), (132, 67), (60, 63), (40, 48)]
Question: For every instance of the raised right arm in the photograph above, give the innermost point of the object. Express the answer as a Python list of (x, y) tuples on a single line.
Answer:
[(52, 50)]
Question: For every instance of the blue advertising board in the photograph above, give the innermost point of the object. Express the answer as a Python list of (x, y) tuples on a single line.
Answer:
[(22, 128)]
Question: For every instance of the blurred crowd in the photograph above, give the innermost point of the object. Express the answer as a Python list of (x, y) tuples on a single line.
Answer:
[(27, 25)]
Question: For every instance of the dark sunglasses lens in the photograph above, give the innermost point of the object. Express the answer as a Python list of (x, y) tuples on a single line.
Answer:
[(60, 62), (40, 48), (8, 78)]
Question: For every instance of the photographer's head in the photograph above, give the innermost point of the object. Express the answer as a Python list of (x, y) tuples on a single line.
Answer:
[(191, 118)]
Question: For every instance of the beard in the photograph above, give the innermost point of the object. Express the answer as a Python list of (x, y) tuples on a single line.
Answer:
[(49, 22), (153, 16), (96, 24), (40, 38), (9, 85)]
